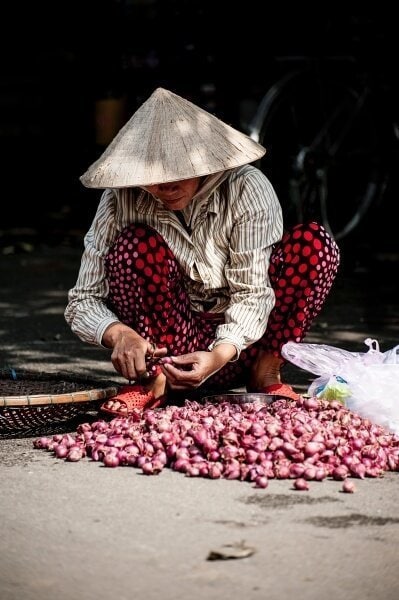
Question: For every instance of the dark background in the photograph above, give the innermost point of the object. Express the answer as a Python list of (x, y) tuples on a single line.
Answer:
[(67, 65)]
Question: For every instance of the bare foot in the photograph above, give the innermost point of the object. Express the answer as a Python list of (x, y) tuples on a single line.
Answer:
[(264, 372), (135, 394)]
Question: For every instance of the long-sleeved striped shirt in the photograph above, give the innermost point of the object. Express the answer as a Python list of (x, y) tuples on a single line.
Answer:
[(235, 219)]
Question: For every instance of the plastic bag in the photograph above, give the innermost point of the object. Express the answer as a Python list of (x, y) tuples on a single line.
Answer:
[(366, 382), (325, 360), (332, 387), (375, 394)]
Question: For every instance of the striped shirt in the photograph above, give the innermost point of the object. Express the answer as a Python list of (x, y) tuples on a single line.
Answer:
[(234, 220)]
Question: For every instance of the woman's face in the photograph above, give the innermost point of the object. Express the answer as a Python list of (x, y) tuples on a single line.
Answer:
[(175, 195)]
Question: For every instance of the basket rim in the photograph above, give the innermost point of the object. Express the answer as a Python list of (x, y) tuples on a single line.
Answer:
[(96, 392)]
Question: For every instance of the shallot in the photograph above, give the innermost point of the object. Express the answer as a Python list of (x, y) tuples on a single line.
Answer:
[(306, 440), (301, 484), (348, 486)]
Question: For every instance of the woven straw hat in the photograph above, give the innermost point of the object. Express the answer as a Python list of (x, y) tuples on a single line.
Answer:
[(169, 139)]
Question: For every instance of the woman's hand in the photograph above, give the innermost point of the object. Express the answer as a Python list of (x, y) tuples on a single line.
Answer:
[(189, 371), (129, 351)]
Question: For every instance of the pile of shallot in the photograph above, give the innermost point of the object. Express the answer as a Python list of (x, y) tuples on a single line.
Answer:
[(305, 440)]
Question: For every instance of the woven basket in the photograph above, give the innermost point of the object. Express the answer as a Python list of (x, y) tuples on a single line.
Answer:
[(34, 403)]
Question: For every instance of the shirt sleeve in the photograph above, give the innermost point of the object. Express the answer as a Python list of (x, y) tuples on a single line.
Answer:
[(258, 225), (86, 312)]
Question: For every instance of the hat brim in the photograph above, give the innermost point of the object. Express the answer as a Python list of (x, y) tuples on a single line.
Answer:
[(170, 139)]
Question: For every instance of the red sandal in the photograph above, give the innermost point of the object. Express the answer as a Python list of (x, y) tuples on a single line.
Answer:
[(131, 397), (281, 389)]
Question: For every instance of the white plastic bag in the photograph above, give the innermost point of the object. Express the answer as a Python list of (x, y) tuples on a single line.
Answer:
[(392, 356), (321, 359), (375, 394), (367, 382)]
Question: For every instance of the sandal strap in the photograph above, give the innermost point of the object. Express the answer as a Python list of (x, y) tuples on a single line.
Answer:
[(281, 389), (133, 397)]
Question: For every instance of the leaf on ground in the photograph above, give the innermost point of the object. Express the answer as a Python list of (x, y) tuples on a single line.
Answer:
[(230, 551)]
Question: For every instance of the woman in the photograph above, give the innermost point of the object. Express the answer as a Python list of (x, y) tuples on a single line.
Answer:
[(186, 258)]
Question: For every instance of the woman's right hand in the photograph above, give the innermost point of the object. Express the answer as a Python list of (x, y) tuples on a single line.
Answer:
[(129, 351)]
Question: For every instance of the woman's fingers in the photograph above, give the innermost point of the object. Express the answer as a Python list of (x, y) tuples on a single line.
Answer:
[(183, 378)]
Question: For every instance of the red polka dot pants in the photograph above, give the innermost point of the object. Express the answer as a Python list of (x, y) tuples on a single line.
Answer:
[(146, 292)]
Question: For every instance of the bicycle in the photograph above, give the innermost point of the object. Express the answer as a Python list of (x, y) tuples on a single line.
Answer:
[(331, 141)]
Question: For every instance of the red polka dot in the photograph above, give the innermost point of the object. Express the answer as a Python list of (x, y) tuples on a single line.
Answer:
[(313, 260), (282, 283), (300, 316), (317, 244), (295, 280), (306, 251), (313, 274), (289, 271), (297, 332), (139, 263), (308, 236), (142, 247), (296, 235), (296, 248), (302, 268), (152, 242)]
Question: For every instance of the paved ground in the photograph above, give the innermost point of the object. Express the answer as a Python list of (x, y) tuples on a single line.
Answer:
[(72, 530)]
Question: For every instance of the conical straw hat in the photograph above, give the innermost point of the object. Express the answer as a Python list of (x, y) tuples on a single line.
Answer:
[(168, 139)]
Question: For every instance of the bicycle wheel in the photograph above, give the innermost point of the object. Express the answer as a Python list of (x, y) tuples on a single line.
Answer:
[(322, 144)]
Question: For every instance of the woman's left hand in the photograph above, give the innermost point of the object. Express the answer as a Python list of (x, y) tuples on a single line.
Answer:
[(189, 371)]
